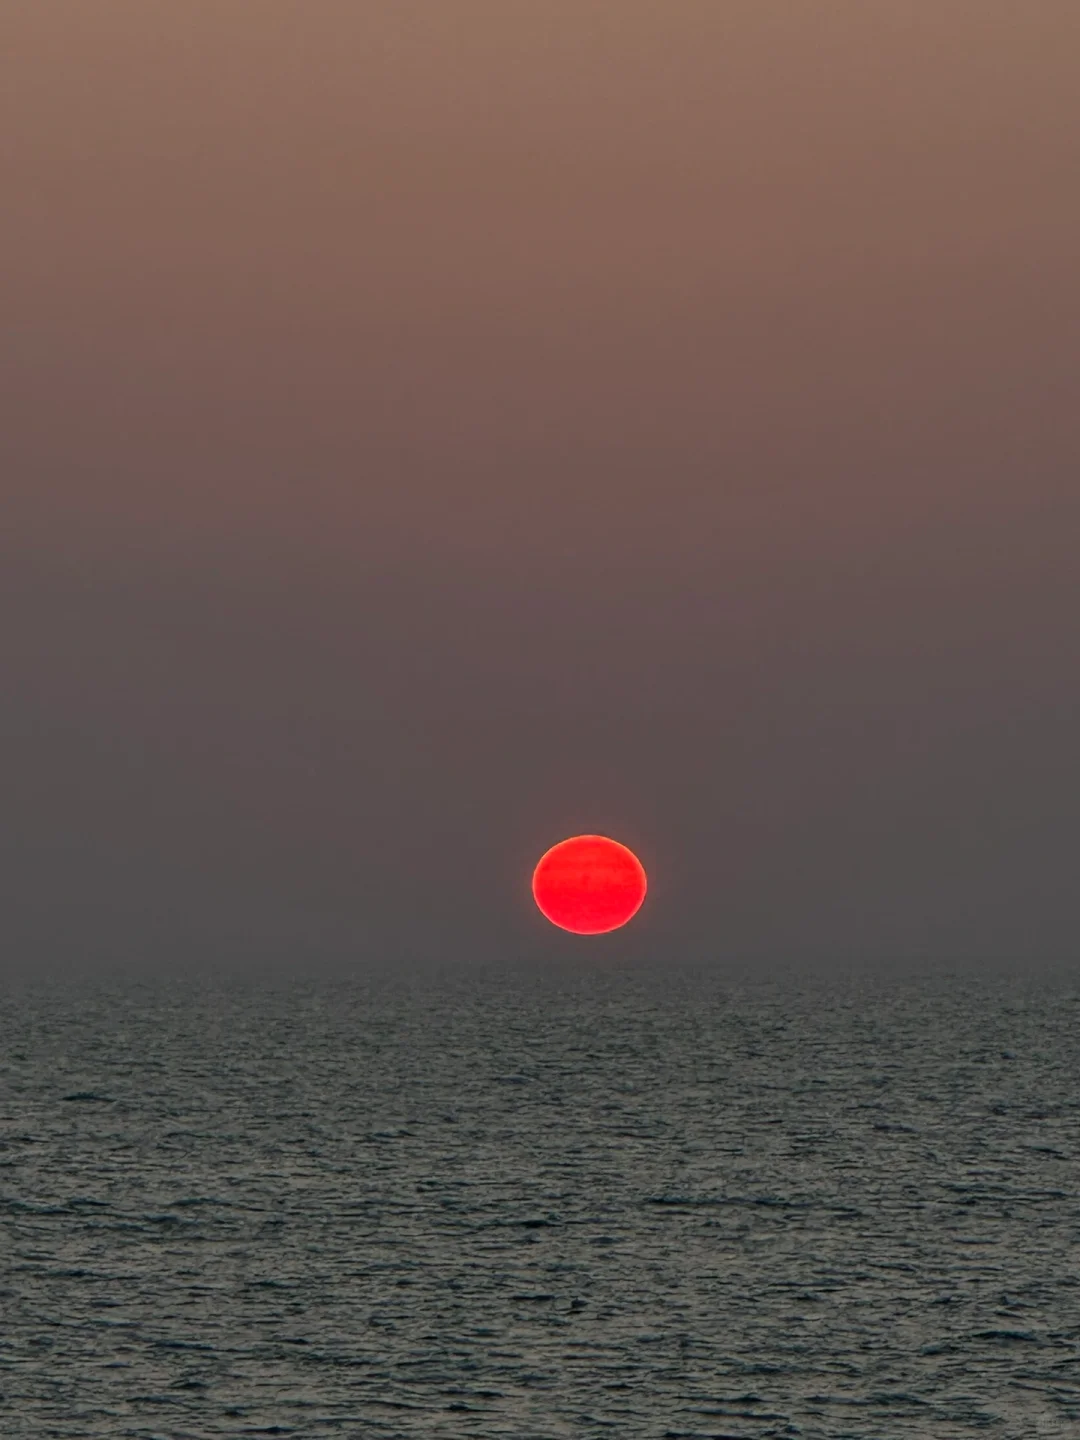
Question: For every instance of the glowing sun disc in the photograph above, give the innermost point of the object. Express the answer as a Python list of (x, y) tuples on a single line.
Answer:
[(589, 884)]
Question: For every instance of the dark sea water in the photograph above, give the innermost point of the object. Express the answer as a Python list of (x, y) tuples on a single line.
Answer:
[(593, 1206)]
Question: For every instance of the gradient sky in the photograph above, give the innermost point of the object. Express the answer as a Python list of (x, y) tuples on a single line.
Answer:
[(432, 429)]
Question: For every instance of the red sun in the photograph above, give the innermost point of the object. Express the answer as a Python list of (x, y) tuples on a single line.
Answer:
[(589, 884)]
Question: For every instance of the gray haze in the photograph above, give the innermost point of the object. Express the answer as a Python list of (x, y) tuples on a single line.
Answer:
[(431, 431)]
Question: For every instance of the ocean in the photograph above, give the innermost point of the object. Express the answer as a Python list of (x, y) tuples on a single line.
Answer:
[(503, 1205)]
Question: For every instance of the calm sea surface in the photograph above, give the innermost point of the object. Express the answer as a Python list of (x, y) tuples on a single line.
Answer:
[(606, 1206)]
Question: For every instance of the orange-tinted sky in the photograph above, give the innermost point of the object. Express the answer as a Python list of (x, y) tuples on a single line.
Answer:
[(483, 421)]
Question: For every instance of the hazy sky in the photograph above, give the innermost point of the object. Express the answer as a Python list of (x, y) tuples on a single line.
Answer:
[(434, 427)]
